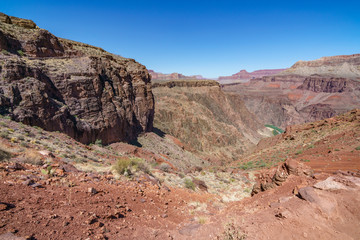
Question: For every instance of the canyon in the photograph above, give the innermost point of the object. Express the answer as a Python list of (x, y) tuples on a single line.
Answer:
[(308, 91), (95, 146)]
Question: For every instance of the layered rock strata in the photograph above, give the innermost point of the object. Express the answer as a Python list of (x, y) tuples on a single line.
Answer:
[(67, 86)]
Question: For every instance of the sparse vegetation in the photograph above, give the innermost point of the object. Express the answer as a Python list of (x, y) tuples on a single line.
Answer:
[(125, 166), (98, 142), (299, 152), (5, 52), (247, 165), (20, 52), (189, 184), (357, 148), (164, 167), (4, 155), (232, 233)]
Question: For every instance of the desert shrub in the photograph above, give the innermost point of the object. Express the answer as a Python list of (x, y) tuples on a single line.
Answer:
[(124, 165), (4, 134), (4, 155), (144, 167), (357, 148), (33, 157), (98, 142), (164, 167), (232, 233), (189, 184)]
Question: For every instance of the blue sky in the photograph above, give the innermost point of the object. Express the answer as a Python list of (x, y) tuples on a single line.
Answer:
[(210, 38)]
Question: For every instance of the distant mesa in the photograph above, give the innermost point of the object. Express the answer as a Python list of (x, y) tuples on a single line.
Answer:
[(245, 75), (172, 76)]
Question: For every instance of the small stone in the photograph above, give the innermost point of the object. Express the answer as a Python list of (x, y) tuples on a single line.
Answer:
[(164, 215), (92, 190)]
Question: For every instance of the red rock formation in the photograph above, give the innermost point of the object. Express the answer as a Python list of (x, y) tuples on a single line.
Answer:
[(243, 74), (66, 86), (308, 91)]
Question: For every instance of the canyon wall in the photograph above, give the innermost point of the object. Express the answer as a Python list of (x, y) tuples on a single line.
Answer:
[(67, 86)]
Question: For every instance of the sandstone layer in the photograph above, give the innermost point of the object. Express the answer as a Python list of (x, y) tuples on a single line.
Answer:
[(67, 86)]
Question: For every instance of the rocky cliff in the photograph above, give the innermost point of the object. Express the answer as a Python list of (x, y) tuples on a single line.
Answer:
[(215, 125), (75, 88), (308, 91), (346, 66)]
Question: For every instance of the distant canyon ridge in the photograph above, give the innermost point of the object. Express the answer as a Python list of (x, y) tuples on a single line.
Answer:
[(241, 75)]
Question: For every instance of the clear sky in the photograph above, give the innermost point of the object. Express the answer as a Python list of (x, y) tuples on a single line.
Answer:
[(210, 38)]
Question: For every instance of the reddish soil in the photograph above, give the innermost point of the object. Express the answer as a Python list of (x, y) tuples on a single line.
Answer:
[(63, 207)]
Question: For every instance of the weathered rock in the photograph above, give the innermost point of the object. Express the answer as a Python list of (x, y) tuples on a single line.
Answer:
[(201, 184), (92, 190), (271, 179), (11, 236), (308, 194), (329, 184), (81, 90)]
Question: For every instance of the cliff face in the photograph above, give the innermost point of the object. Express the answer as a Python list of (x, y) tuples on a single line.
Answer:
[(346, 66), (216, 125), (328, 84), (66, 86)]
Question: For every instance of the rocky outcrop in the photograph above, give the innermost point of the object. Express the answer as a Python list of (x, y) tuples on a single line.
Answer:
[(81, 90), (17, 21), (268, 180)]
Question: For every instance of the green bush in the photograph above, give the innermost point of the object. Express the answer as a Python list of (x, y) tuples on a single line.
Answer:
[(189, 184), (98, 142), (357, 148), (20, 52)]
